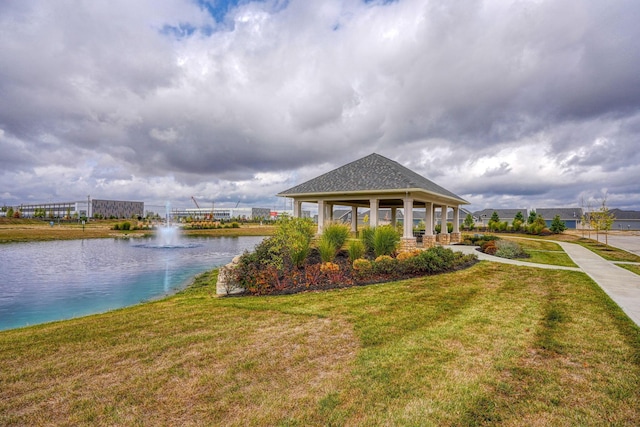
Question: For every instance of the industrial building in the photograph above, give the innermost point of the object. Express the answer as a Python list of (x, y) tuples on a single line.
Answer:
[(221, 214), (98, 208)]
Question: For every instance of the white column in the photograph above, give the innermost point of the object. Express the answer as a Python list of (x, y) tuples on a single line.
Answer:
[(408, 218), (443, 220), (297, 209), (456, 219), (394, 216), (322, 210), (428, 219), (354, 219), (330, 211), (373, 212)]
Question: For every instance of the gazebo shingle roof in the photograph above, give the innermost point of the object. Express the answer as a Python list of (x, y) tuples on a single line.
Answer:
[(371, 173)]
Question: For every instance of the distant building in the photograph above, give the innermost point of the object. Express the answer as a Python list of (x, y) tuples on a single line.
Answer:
[(482, 217), (571, 217), (625, 220), (116, 209), (222, 214), (54, 210), (74, 210)]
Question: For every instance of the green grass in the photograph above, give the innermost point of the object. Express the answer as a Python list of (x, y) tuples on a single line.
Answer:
[(543, 252), (493, 344)]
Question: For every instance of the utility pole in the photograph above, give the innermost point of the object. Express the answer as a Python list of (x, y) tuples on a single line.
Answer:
[(88, 207)]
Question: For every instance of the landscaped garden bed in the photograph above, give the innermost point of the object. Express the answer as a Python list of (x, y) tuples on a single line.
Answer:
[(291, 261)]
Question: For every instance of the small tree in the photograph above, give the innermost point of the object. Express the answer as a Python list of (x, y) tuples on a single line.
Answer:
[(519, 217), (9, 212), (532, 217), (469, 222), (494, 222), (602, 219), (557, 225), (518, 220)]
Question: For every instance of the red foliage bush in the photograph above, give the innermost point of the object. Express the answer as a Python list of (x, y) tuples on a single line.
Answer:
[(489, 247)]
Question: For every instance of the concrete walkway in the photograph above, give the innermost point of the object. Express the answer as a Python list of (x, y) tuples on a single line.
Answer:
[(621, 285)]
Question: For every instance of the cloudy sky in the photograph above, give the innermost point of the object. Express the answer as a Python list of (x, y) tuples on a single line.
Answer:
[(506, 103)]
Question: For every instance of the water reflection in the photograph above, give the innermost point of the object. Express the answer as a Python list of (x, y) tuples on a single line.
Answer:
[(45, 281)]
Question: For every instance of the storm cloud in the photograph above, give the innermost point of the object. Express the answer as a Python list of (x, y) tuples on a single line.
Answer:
[(507, 104)]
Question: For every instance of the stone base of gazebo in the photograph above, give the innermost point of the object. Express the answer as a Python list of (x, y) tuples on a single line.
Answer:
[(455, 238), (428, 241), (443, 238), (408, 244)]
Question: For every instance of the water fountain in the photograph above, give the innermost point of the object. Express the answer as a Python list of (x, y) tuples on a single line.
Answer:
[(168, 234)]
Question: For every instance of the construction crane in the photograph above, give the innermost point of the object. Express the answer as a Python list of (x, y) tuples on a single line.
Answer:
[(237, 204), (194, 201)]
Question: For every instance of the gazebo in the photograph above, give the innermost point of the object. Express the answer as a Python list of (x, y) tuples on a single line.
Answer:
[(376, 182)]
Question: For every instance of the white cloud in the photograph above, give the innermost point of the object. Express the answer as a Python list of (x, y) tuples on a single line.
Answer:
[(503, 102)]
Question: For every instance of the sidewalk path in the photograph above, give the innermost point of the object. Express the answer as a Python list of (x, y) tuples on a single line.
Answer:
[(621, 285)]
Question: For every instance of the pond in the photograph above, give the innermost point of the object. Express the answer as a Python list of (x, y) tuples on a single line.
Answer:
[(46, 281)]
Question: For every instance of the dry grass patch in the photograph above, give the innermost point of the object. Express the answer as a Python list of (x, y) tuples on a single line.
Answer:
[(177, 367)]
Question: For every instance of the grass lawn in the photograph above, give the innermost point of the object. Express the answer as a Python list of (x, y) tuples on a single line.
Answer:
[(543, 252), (493, 344)]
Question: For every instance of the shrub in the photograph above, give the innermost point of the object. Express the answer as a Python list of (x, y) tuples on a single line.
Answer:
[(116, 226), (384, 264), (336, 233), (509, 249), (385, 240), (517, 225), (125, 226), (355, 249), (329, 267), (489, 247), (327, 249), (402, 256), (298, 248), (366, 235), (235, 225), (479, 239), (362, 265), (292, 240)]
